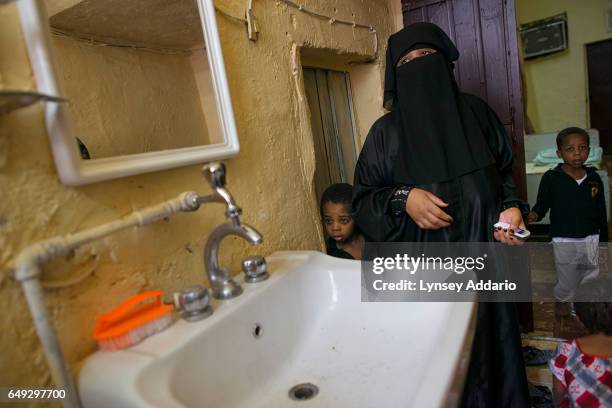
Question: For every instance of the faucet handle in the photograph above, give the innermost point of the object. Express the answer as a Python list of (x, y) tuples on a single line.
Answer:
[(193, 303), (255, 269), (215, 172)]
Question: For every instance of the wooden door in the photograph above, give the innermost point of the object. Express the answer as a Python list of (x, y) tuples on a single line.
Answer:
[(484, 31), (599, 61)]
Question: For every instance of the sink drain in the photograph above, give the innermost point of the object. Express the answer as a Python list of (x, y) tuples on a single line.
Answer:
[(303, 392)]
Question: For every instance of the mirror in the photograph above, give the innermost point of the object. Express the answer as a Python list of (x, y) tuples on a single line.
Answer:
[(145, 81)]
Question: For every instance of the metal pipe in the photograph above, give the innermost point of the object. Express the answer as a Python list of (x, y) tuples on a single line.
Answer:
[(28, 272), (53, 352)]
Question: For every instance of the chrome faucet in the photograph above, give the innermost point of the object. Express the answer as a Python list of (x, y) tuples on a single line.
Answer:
[(223, 287), (215, 172)]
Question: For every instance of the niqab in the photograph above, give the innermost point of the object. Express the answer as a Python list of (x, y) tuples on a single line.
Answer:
[(441, 136)]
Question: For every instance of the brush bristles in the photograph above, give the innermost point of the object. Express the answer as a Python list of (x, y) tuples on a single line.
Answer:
[(135, 336)]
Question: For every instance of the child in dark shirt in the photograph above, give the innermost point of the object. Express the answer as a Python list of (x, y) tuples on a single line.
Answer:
[(344, 239), (574, 194)]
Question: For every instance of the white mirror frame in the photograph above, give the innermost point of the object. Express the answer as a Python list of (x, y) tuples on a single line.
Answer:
[(72, 170)]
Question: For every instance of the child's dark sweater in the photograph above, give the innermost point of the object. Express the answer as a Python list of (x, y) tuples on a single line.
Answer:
[(576, 211), (333, 250)]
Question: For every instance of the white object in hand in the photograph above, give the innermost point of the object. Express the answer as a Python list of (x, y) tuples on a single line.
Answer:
[(518, 232)]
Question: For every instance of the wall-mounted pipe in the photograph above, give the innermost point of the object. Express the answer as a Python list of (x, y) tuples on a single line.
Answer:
[(28, 271), (334, 20)]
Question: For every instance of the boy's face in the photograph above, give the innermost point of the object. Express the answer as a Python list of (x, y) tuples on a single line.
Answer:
[(574, 150), (338, 221)]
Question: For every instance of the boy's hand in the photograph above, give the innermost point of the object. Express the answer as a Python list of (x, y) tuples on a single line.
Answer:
[(424, 208), (513, 217), (532, 217)]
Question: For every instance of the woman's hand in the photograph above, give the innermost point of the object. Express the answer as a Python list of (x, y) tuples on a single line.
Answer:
[(513, 217), (424, 208)]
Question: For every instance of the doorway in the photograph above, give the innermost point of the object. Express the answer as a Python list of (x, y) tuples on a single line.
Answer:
[(599, 66), (333, 126)]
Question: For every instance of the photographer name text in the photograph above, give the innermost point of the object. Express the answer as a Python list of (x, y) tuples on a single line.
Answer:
[(430, 287)]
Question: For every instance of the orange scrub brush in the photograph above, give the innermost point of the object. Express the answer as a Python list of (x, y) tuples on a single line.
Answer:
[(133, 321)]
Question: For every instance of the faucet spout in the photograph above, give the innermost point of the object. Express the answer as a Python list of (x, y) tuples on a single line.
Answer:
[(215, 172), (223, 287)]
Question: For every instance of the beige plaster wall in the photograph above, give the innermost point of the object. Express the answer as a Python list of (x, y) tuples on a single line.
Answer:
[(397, 19), (556, 85), (271, 179)]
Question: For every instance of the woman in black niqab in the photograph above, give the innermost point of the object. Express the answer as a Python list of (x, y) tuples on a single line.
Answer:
[(438, 168), (448, 140)]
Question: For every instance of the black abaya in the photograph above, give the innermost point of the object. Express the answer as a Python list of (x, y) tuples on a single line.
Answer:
[(475, 198), (496, 376)]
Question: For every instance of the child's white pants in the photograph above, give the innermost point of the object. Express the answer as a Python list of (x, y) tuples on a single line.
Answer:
[(576, 262)]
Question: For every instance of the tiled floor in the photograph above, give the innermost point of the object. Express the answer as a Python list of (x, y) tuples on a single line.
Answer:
[(548, 332), (540, 375), (541, 338)]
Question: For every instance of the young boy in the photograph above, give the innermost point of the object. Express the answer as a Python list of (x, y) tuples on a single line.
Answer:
[(344, 240), (574, 193)]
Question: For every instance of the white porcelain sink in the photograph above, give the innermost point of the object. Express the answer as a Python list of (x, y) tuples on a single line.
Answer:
[(314, 329)]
